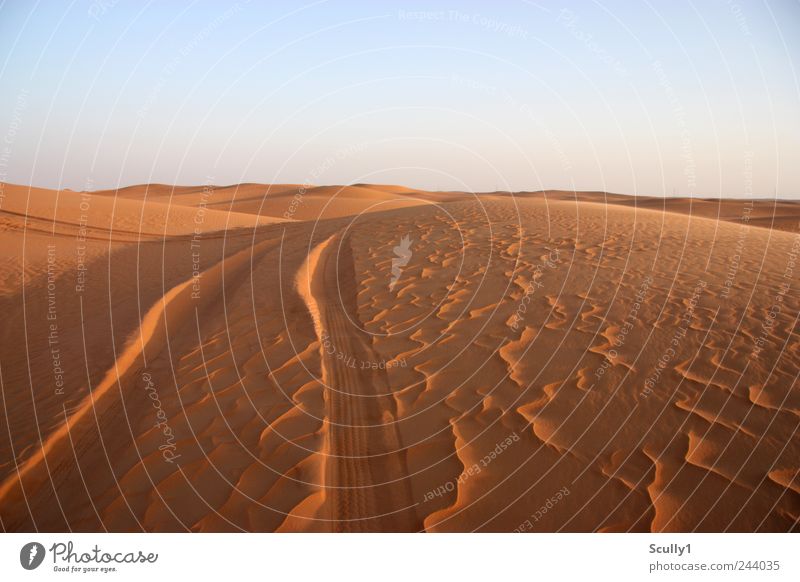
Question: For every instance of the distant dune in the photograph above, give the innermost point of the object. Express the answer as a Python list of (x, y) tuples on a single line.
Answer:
[(379, 358), (276, 200)]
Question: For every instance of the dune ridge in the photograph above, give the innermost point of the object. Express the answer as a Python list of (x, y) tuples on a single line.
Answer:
[(172, 310), (365, 468)]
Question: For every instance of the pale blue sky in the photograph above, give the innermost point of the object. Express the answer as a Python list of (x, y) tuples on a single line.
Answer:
[(697, 98)]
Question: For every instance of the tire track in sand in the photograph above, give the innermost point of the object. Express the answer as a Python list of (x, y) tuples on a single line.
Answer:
[(366, 477)]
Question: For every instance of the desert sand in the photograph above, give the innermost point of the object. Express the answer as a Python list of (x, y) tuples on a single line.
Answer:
[(379, 358)]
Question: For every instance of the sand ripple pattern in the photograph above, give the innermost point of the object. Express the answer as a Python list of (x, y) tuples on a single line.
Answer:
[(540, 362)]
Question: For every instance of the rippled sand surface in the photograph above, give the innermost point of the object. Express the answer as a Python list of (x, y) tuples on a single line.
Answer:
[(378, 358)]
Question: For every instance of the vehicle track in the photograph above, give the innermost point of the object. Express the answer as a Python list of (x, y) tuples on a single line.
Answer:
[(366, 477)]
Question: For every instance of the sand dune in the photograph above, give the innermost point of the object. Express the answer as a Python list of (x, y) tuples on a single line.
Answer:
[(282, 201), (301, 202), (377, 358)]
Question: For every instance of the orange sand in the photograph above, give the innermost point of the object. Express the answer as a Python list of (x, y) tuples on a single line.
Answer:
[(238, 358)]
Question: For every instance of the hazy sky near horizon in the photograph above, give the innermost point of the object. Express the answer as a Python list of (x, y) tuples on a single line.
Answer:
[(695, 98)]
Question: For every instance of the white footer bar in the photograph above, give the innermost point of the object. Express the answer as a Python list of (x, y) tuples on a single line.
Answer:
[(401, 557)]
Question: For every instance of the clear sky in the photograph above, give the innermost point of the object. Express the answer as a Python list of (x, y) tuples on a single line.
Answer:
[(653, 97)]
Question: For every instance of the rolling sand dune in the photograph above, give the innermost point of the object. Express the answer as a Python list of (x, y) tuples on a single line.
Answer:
[(378, 358), (283, 201)]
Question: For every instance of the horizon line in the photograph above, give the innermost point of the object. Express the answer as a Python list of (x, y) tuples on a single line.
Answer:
[(366, 184)]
